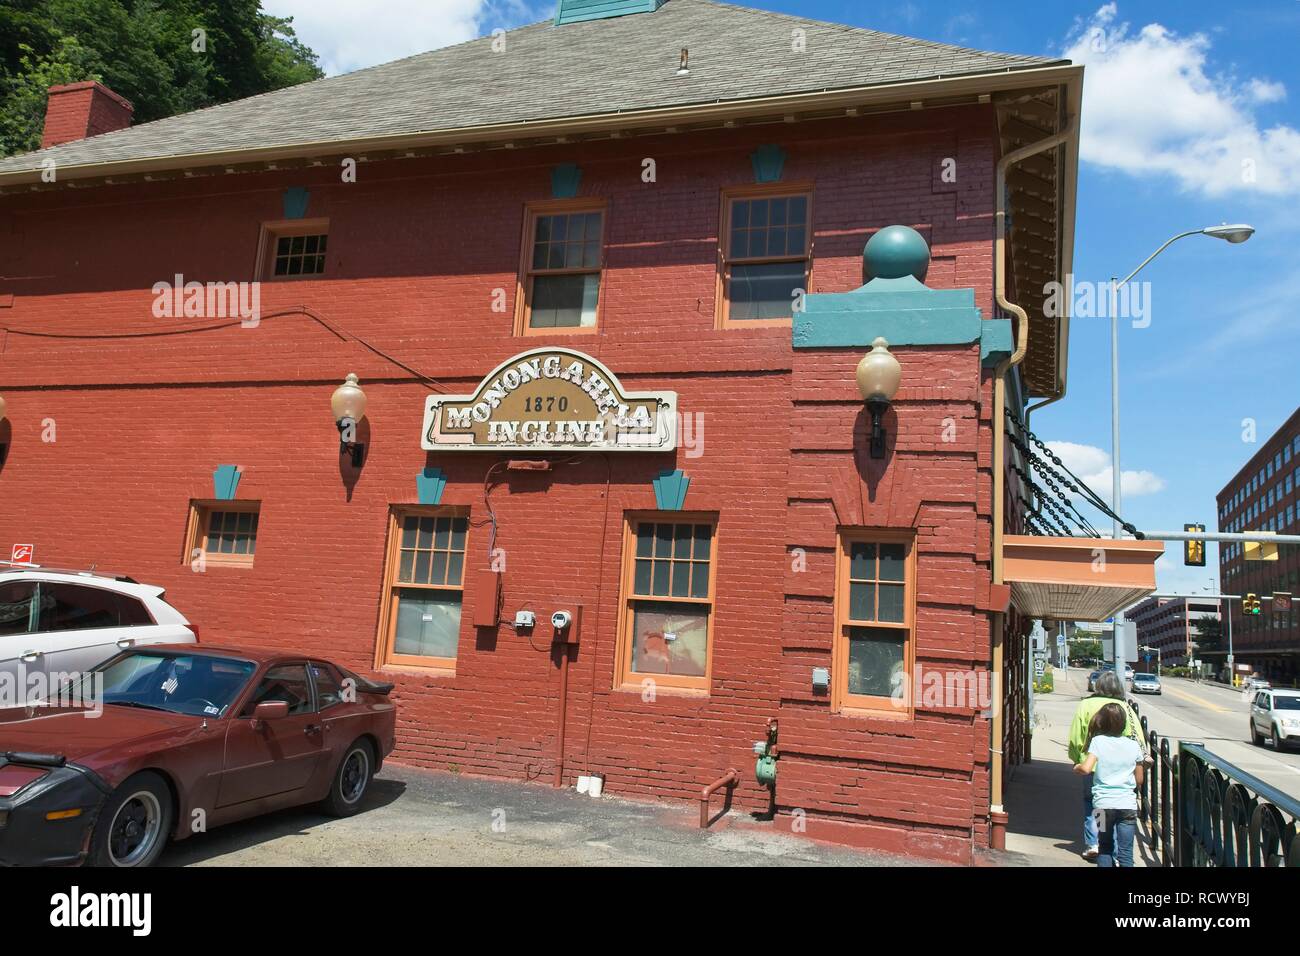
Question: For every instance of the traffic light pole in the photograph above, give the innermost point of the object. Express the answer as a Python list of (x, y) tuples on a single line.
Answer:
[(1227, 607)]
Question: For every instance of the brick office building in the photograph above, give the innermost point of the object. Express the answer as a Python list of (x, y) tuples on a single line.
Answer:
[(1264, 495), (1169, 625), (568, 268)]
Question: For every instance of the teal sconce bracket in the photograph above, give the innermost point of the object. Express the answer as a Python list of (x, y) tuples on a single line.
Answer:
[(897, 305), (565, 180), (430, 484), (225, 481), (295, 202), (769, 163), (670, 489)]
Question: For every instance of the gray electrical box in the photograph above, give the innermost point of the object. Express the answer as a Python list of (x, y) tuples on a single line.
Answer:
[(821, 680)]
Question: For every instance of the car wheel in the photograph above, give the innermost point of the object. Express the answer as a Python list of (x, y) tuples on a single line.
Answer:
[(1255, 738), (351, 779), (134, 824), (1277, 739)]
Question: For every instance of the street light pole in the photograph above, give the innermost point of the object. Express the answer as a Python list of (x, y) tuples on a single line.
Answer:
[(1234, 234)]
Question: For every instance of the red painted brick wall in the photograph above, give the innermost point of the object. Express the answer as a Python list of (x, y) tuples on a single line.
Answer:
[(417, 247)]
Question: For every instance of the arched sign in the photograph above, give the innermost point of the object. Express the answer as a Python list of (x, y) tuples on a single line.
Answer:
[(551, 399)]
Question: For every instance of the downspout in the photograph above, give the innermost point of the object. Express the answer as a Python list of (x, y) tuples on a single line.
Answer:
[(997, 811)]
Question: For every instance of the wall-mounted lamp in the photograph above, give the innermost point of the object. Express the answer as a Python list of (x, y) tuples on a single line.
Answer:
[(349, 404), (878, 375)]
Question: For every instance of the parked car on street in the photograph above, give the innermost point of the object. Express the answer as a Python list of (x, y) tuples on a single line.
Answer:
[(1275, 713), (187, 735), (1092, 680), (1146, 684), (64, 622), (1254, 683)]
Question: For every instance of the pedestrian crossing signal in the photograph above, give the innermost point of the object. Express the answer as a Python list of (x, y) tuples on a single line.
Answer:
[(1250, 604), (1194, 550)]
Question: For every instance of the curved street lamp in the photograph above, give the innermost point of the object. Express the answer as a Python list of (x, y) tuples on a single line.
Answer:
[(1236, 234)]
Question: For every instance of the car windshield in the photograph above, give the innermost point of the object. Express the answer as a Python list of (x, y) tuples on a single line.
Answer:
[(196, 684), (1285, 702), (1144, 677)]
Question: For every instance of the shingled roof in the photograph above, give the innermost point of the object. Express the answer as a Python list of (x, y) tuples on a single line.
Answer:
[(548, 72)]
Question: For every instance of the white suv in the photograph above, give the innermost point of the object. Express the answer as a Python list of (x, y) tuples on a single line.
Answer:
[(1275, 713), (56, 622)]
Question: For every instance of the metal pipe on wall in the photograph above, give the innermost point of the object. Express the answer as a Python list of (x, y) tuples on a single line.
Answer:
[(996, 810)]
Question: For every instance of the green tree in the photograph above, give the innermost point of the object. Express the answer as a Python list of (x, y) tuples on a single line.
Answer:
[(146, 50), (1209, 632)]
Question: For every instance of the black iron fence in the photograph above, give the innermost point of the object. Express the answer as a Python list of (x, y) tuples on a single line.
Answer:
[(1200, 810)]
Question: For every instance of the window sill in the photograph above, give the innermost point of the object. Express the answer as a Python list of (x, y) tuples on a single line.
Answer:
[(670, 690), (211, 563), (417, 670), (756, 324), (561, 330), (896, 715)]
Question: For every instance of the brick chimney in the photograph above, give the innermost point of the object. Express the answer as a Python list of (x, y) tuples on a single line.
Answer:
[(79, 110)]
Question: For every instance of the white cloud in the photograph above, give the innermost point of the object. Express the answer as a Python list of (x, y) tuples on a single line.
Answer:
[(349, 35), (1153, 106), (1093, 467)]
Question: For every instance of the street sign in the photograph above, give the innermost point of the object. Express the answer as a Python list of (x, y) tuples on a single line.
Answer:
[(1040, 667), (1060, 640), (1281, 602), (22, 553)]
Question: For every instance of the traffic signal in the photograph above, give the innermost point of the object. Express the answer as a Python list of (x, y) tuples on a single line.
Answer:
[(1194, 550), (1250, 604)]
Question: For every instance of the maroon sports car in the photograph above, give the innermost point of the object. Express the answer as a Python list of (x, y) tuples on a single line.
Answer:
[(186, 738)]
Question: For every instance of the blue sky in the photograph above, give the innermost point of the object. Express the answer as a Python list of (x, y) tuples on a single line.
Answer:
[(1190, 119)]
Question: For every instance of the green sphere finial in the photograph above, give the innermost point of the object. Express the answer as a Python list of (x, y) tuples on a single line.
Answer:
[(896, 251)]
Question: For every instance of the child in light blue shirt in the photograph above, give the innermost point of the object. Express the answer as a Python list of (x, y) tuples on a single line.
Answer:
[(1115, 761)]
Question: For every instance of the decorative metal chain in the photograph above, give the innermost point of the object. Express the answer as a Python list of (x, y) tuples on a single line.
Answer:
[(1072, 482), (1064, 518)]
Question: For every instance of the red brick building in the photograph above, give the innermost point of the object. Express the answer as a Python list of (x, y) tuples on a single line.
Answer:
[(649, 196)]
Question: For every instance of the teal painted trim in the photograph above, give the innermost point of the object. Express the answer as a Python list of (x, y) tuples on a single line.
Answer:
[(430, 484), (295, 202), (769, 163), (995, 341), (564, 181), (670, 490), (575, 11), (225, 480)]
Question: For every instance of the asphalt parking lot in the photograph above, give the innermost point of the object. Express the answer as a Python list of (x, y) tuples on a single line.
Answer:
[(425, 818)]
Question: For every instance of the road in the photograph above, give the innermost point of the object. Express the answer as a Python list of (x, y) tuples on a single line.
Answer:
[(1218, 717)]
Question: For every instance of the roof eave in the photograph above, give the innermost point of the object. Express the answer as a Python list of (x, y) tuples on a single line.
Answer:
[(875, 95)]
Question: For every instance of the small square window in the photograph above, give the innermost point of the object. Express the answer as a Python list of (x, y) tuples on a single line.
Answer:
[(222, 533), (294, 249)]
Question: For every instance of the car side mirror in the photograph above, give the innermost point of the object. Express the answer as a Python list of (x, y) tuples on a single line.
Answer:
[(271, 710)]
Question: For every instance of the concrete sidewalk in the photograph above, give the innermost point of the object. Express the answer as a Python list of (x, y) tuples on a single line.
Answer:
[(1044, 797)]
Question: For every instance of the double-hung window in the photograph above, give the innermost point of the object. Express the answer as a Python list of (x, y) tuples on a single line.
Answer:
[(765, 254), (873, 652), (667, 605), (424, 587), (560, 275)]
